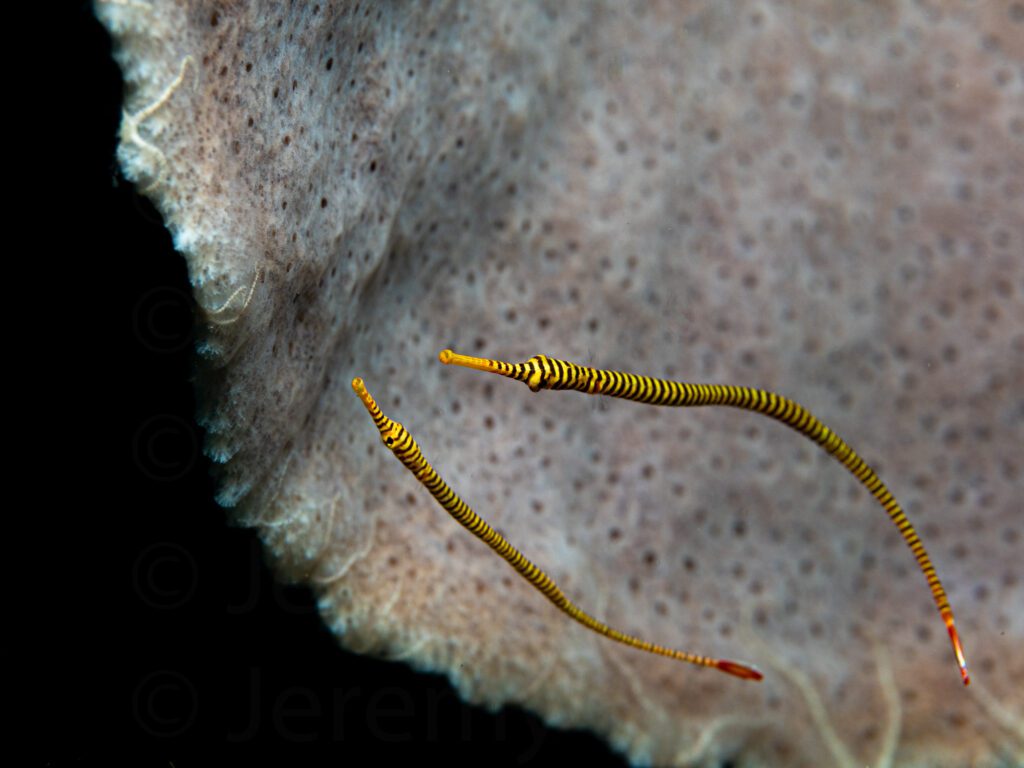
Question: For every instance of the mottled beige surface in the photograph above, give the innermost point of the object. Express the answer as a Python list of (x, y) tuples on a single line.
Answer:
[(824, 198)]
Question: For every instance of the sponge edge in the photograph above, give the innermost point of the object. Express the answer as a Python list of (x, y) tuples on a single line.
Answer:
[(806, 199)]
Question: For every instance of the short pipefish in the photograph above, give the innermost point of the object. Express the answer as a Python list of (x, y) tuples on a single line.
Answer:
[(398, 440)]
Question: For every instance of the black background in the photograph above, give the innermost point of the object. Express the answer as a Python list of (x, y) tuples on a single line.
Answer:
[(195, 655)]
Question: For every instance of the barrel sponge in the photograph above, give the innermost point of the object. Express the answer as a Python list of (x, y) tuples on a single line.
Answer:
[(820, 198)]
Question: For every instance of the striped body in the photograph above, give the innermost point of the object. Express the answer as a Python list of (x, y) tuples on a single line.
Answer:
[(401, 443), (542, 372)]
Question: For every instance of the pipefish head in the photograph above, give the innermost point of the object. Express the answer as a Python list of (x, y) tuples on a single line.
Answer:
[(539, 372), (392, 433)]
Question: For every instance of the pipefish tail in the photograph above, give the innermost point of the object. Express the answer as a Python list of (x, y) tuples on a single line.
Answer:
[(398, 440), (542, 372)]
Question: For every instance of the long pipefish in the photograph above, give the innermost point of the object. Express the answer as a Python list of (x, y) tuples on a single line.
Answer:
[(542, 372)]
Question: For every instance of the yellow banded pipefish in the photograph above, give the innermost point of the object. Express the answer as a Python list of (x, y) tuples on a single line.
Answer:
[(542, 372), (398, 440)]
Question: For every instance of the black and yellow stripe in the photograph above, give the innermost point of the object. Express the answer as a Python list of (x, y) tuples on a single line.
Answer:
[(401, 443), (542, 372)]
